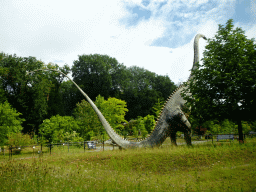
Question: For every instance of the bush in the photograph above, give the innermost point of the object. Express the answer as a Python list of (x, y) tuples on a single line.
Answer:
[(149, 122), (19, 140), (54, 129)]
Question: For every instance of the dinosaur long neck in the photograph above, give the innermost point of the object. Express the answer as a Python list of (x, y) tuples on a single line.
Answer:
[(196, 53)]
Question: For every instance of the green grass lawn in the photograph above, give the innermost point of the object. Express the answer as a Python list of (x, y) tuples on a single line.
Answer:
[(221, 166)]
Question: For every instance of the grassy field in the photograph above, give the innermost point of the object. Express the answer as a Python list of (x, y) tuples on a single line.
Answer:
[(222, 166)]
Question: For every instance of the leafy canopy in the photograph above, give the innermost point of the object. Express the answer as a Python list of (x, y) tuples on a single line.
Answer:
[(58, 128), (113, 110), (225, 83)]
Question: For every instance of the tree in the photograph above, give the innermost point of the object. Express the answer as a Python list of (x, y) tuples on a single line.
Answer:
[(54, 98), (35, 96), (58, 128), (140, 128), (149, 122), (18, 139), (87, 119), (69, 93), (13, 81), (3, 71), (10, 122), (113, 110), (156, 109), (223, 87), (143, 90), (93, 73)]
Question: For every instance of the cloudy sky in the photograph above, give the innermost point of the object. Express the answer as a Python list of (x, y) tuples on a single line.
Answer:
[(155, 35)]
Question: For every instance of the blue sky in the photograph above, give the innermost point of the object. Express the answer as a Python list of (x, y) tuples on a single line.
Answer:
[(155, 35)]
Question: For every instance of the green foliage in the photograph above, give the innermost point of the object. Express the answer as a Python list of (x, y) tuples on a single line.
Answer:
[(225, 127), (13, 83), (90, 135), (130, 127), (58, 127), (93, 74), (140, 128), (246, 127), (54, 97), (35, 96), (87, 119), (253, 125), (149, 122), (156, 109), (69, 93), (113, 110), (72, 137), (3, 72), (143, 90), (226, 76), (10, 122), (46, 91), (224, 86), (18, 139)]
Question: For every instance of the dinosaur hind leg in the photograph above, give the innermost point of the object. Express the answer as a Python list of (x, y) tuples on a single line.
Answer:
[(173, 138)]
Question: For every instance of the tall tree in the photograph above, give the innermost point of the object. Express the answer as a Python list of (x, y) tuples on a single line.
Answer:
[(35, 96), (113, 110), (69, 94), (54, 98), (17, 94), (143, 90), (224, 86), (93, 73)]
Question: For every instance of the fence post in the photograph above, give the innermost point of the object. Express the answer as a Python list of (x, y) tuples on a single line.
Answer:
[(10, 152), (50, 148), (84, 146), (68, 146), (103, 144)]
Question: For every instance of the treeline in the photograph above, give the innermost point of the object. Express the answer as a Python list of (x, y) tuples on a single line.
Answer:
[(41, 97), (50, 109)]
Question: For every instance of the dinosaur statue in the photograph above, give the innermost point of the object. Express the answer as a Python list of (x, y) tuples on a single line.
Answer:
[(171, 118)]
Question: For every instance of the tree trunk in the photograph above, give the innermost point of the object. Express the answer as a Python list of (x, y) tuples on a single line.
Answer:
[(239, 122)]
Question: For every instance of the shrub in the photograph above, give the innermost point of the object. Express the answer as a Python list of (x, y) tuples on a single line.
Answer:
[(19, 140)]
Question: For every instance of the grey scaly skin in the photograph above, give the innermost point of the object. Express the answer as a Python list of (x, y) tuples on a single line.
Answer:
[(171, 119)]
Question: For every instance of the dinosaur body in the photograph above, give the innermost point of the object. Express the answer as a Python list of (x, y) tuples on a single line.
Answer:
[(171, 119)]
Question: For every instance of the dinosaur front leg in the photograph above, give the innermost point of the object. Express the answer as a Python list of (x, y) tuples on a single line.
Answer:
[(187, 137)]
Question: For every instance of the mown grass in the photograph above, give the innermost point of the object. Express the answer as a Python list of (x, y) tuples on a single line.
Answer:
[(205, 167)]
